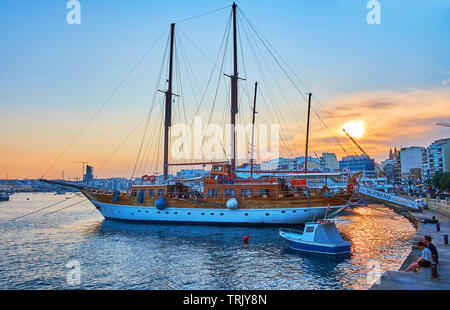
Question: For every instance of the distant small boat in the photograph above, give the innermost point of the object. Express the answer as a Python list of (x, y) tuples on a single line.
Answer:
[(4, 197), (318, 237)]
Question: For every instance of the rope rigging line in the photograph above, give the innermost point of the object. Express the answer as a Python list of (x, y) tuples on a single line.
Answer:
[(202, 14), (121, 144), (52, 205), (152, 139), (148, 118), (276, 110), (105, 102), (267, 44), (219, 79), (212, 71), (295, 74), (69, 206)]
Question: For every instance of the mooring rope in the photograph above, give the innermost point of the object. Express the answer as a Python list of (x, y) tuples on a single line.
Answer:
[(52, 205), (69, 206)]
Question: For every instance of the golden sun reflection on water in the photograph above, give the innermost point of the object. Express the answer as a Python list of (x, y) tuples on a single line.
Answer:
[(377, 233)]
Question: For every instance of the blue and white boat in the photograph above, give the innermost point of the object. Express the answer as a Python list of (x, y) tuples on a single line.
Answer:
[(318, 237), (4, 196)]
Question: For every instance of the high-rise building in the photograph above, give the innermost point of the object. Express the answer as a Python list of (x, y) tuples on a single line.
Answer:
[(436, 157), (358, 163), (313, 163), (89, 176), (397, 167), (388, 167), (285, 164), (410, 158), (329, 160)]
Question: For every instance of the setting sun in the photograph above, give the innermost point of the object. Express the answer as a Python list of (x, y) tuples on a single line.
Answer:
[(355, 128)]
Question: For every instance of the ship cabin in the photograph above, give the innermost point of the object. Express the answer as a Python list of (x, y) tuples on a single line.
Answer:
[(219, 185)]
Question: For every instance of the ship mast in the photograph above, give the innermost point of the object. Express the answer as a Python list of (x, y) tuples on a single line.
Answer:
[(307, 132), (253, 131), (168, 108), (234, 94)]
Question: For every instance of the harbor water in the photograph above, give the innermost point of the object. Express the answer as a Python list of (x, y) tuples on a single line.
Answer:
[(35, 251)]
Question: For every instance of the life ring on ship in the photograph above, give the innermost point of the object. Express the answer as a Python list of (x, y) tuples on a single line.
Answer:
[(152, 178), (230, 177), (220, 177), (145, 178)]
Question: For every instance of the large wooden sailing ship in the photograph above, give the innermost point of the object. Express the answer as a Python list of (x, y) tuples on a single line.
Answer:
[(225, 198)]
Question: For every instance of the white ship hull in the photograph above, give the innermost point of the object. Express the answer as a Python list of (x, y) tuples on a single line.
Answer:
[(288, 216)]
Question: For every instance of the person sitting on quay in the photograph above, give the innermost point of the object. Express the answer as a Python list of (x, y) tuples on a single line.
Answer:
[(432, 248), (424, 261)]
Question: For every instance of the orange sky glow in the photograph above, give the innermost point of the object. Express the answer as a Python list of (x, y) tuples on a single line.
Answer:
[(391, 119)]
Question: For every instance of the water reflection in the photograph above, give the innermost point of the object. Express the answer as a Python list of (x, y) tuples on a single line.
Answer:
[(126, 255)]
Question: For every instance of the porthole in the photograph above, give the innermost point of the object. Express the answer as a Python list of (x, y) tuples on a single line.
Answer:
[(203, 213), (267, 214), (283, 211), (246, 214), (221, 213), (189, 213), (175, 212), (167, 212), (139, 211), (146, 211), (212, 213), (294, 211), (306, 210), (159, 212)]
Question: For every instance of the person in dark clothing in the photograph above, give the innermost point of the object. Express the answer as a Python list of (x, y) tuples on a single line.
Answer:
[(431, 247)]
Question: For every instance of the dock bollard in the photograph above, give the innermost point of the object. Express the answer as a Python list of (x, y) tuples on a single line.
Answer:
[(434, 273), (445, 239), (438, 227)]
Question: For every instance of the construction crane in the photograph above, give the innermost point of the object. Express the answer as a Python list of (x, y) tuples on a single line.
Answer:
[(364, 152), (443, 124)]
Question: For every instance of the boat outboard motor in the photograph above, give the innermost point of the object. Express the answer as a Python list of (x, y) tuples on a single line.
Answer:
[(232, 203), (160, 203)]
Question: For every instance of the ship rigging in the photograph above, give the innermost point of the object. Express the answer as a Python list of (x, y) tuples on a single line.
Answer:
[(226, 198)]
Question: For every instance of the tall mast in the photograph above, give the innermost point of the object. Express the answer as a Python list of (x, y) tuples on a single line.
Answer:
[(234, 94), (253, 131), (168, 110), (307, 132)]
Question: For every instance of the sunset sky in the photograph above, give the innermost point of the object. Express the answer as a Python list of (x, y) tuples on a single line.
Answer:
[(392, 78)]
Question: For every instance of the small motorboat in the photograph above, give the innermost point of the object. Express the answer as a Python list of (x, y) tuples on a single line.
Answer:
[(318, 237), (4, 196)]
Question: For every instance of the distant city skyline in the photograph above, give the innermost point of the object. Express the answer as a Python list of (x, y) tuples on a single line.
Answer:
[(392, 79)]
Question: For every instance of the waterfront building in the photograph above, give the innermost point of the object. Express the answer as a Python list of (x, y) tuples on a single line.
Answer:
[(388, 167), (313, 163), (357, 163), (397, 167), (190, 173), (436, 157), (415, 174), (410, 158), (329, 160), (89, 175), (280, 164)]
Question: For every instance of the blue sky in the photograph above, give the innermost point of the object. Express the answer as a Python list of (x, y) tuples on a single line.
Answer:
[(54, 75)]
